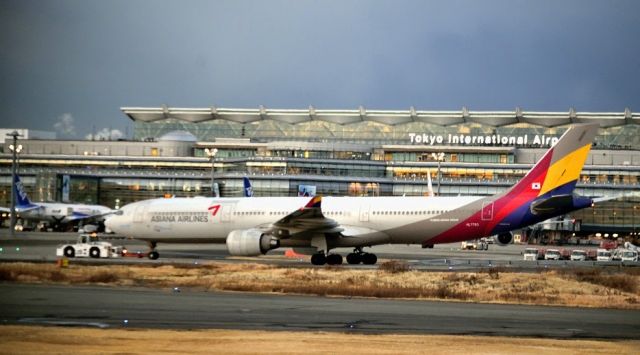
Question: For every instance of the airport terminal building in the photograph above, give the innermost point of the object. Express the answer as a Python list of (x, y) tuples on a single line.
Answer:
[(356, 152)]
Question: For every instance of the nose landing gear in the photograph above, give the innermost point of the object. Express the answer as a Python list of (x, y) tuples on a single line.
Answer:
[(153, 254)]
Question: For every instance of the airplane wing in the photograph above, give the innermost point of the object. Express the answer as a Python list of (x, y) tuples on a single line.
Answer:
[(76, 216), (305, 221)]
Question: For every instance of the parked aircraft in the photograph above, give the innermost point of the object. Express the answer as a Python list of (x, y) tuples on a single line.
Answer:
[(58, 215), (253, 226)]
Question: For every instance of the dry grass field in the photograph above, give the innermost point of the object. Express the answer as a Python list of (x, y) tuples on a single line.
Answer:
[(567, 287), (54, 340)]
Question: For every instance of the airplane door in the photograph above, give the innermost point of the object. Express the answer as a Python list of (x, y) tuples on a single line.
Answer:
[(364, 213), (225, 215), (138, 214), (487, 211)]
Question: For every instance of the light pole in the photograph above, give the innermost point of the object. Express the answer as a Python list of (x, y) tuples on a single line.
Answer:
[(15, 149), (211, 153), (439, 157)]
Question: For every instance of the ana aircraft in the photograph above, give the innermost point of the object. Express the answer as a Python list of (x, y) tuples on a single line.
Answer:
[(58, 215), (253, 226)]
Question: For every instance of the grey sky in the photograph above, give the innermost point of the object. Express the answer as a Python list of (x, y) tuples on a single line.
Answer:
[(86, 59)]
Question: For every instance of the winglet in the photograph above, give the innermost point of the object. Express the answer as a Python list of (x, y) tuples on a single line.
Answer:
[(315, 202)]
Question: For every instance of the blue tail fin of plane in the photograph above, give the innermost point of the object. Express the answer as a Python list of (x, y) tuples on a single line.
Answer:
[(248, 190), (22, 200)]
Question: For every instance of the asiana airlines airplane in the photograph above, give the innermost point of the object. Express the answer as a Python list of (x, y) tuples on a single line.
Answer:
[(256, 225)]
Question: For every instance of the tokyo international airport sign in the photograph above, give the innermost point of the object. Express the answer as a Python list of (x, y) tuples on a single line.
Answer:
[(539, 140)]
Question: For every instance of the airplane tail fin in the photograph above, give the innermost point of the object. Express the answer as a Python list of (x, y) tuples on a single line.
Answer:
[(22, 200), (544, 192), (248, 189), (429, 185), (559, 169), (547, 190)]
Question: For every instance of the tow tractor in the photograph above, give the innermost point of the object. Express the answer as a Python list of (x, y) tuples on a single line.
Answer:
[(475, 245), (89, 245)]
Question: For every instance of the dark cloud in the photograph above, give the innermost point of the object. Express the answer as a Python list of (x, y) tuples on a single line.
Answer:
[(88, 58)]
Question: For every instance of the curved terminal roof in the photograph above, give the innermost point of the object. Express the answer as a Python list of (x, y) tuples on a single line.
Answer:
[(387, 117)]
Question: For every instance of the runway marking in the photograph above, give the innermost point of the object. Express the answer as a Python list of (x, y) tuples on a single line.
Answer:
[(63, 323)]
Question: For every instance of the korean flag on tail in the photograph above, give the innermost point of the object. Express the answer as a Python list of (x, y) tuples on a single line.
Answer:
[(535, 186)]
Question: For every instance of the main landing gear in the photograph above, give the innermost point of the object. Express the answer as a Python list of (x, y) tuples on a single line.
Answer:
[(321, 259), (357, 257)]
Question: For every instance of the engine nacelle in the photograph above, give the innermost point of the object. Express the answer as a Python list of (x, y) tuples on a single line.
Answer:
[(250, 242), (504, 238)]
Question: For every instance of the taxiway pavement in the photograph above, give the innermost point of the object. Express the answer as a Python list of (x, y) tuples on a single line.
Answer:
[(155, 308), (39, 246)]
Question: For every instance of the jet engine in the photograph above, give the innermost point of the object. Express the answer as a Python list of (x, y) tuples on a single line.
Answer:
[(250, 242), (504, 238)]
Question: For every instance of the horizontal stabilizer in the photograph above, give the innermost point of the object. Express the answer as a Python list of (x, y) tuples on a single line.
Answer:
[(609, 198), (25, 208)]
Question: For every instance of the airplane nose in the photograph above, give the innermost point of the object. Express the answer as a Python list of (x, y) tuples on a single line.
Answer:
[(109, 222)]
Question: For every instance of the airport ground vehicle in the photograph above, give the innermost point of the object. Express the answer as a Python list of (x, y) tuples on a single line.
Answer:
[(604, 255), (629, 255), (578, 255), (552, 254), (532, 254), (474, 245), (89, 245), (630, 246)]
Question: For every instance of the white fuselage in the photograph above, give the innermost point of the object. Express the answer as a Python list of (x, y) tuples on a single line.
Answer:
[(62, 212), (202, 219)]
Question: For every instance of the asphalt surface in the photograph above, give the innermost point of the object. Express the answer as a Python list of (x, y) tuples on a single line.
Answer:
[(107, 307), (38, 246)]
